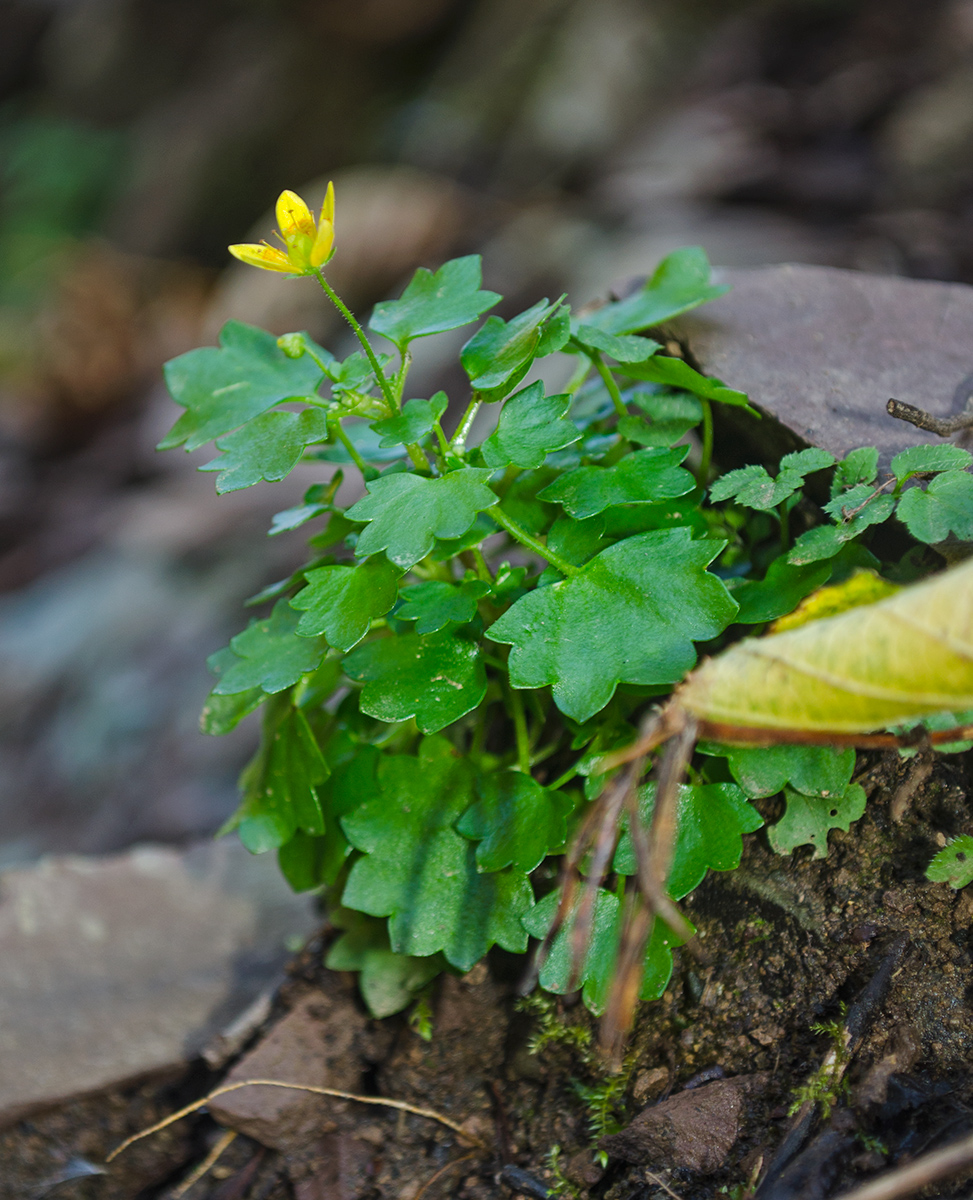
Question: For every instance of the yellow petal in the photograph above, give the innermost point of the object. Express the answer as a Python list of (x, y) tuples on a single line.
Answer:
[(322, 243), (327, 208), (261, 255), (293, 215)]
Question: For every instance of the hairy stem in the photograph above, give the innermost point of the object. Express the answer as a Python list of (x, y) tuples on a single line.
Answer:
[(458, 441), (367, 471), (608, 379), (390, 397)]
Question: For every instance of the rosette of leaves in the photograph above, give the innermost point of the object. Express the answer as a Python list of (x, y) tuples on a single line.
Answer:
[(437, 682)]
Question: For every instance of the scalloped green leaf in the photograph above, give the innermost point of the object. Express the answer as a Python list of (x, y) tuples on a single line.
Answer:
[(530, 426), (666, 418), (953, 864), (945, 507), (713, 818), (676, 373), (598, 969), (221, 714), (625, 348), (639, 478), (499, 354), (857, 467), (270, 655), (407, 513), (435, 604), (434, 302), (436, 679), (780, 591), (388, 981), (754, 487), (807, 820), (919, 460), (340, 601), (515, 820), (679, 283), (419, 872), (813, 770), (267, 448), (416, 421), (223, 388), (630, 615)]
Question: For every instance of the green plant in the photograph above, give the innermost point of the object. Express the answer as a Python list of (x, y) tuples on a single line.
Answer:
[(439, 683)]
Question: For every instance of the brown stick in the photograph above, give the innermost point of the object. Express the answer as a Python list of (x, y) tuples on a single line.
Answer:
[(941, 426), (907, 1180)]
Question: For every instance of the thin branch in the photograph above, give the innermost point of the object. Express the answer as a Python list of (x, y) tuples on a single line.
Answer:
[(907, 1180), (941, 426), (210, 1161)]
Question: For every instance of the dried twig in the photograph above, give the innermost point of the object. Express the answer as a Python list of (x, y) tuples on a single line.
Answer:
[(941, 426), (441, 1172), (210, 1161), (429, 1113)]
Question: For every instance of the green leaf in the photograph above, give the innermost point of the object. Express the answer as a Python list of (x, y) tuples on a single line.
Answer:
[(828, 540), (598, 969), (436, 604), (433, 303), (577, 541), (814, 770), (670, 417), (221, 389), (408, 512), (779, 592), (630, 615), (280, 784), (713, 818), (437, 678), (365, 440), (555, 333), (953, 864), (270, 654), (290, 519), (416, 421), (418, 871), (624, 348), (221, 714), (857, 467), (531, 425), (807, 819), (498, 355), (919, 460), (301, 861), (639, 478), (754, 487), (354, 376), (519, 821), (447, 548), (268, 447), (680, 283), (388, 981), (945, 507), (678, 374), (340, 602)]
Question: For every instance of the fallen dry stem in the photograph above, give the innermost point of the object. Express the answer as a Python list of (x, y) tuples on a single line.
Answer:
[(907, 1180), (210, 1161), (941, 426), (429, 1113), (440, 1173)]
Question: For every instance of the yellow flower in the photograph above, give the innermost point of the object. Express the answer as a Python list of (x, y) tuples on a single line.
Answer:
[(307, 245)]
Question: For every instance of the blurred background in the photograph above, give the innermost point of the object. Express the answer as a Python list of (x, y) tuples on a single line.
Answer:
[(571, 142)]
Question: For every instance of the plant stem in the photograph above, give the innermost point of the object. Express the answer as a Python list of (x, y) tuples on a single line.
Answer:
[(520, 728), (419, 459), (706, 458), (458, 441), (608, 379), (482, 570), (785, 532), (403, 370), (380, 376), (367, 471), (521, 535), (578, 377)]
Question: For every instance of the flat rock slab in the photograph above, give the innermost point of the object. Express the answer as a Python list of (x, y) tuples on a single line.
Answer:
[(114, 968), (820, 351)]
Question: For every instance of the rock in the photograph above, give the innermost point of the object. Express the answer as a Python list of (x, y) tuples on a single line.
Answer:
[(114, 968), (694, 1129), (322, 1041), (820, 351)]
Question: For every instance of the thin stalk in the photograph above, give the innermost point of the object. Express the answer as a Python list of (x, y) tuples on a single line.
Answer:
[(578, 377), (521, 535), (390, 397), (419, 460), (561, 780), (367, 471), (608, 379), (457, 442), (482, 570), (785, 529), (706, 458), (520, 728), (404, 365), (441, 439)]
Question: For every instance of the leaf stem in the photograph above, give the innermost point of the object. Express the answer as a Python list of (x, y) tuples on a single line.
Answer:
[(521, 535), (419, 460), (457, 442), (482, 570), (579, 375), (785, 533), (367, 471), (391, 399), (404, 365), (706, 458), (608, 379), (520, 728)]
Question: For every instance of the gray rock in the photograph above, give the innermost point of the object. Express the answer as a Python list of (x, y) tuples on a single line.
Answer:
[(114, 968), (820, 351)]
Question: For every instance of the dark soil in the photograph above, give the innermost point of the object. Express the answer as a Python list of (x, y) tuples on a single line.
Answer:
[(784, 945)]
